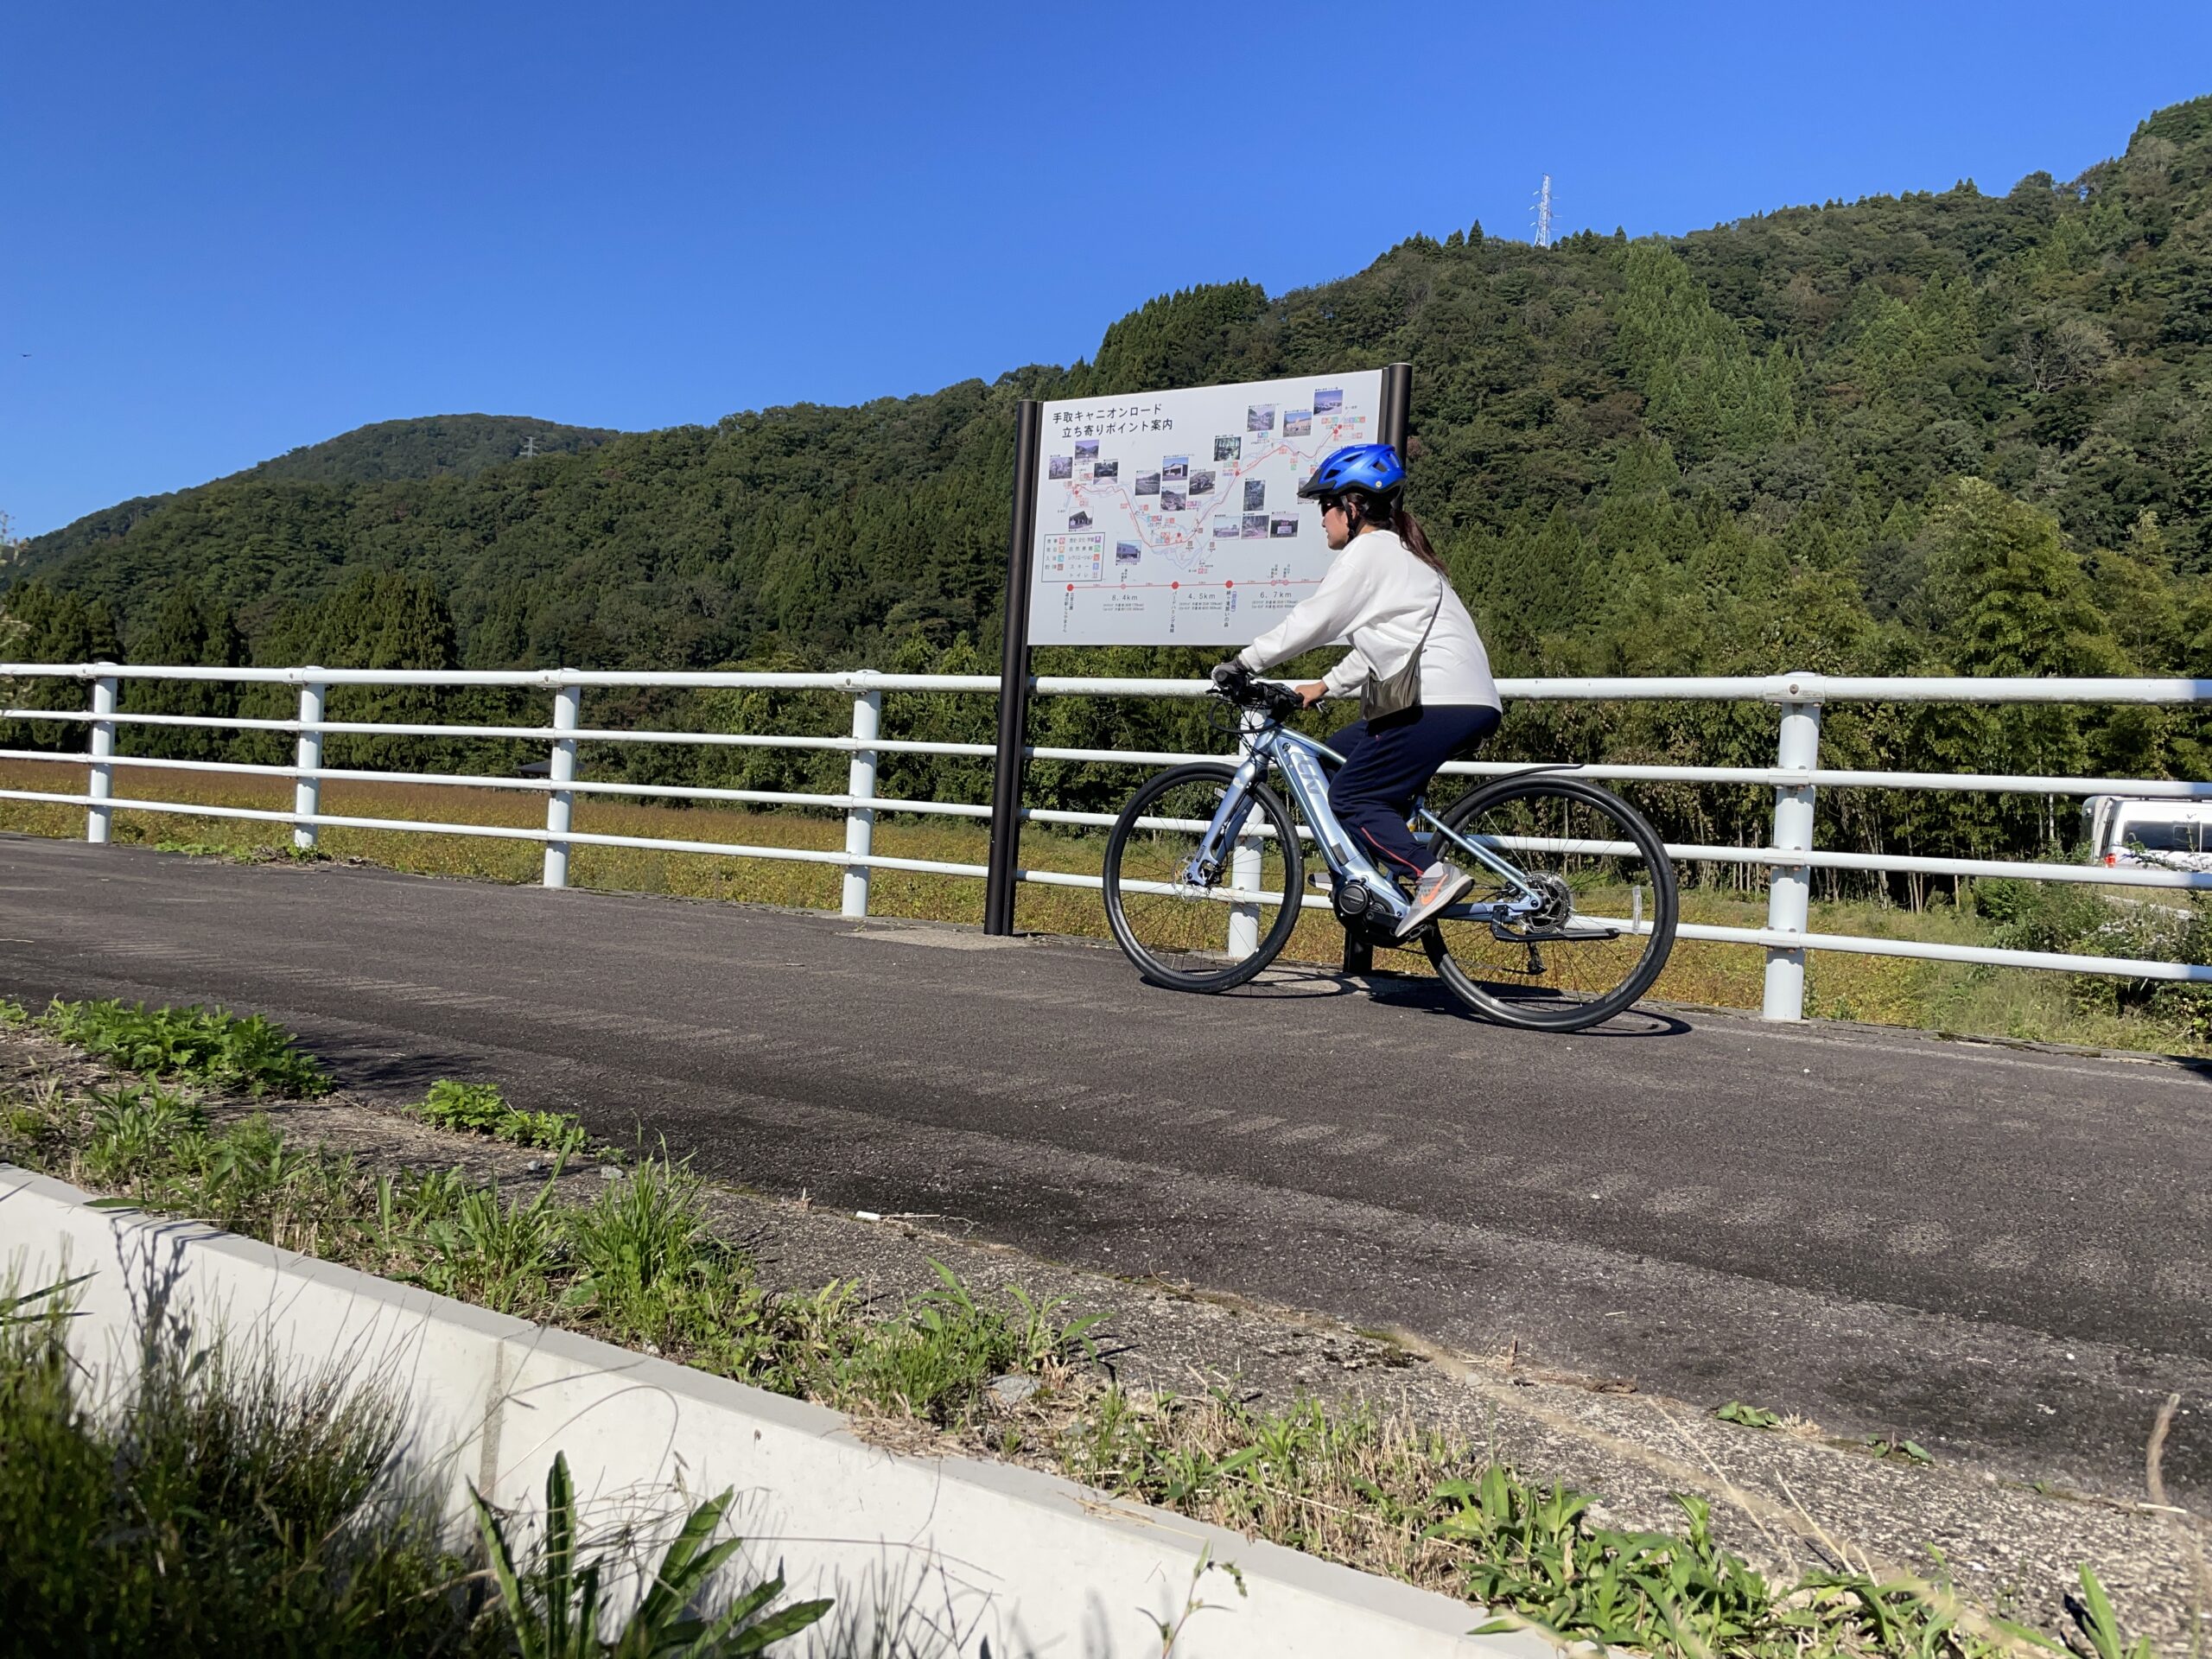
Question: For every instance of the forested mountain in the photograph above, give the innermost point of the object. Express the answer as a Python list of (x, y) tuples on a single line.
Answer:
[(1940, 431), (431, 447), (428, 448)]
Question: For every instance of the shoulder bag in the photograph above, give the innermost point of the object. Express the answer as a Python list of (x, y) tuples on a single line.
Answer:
[(1380, 698)]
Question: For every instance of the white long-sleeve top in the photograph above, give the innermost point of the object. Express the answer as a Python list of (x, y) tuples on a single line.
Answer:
[(1378, 596)]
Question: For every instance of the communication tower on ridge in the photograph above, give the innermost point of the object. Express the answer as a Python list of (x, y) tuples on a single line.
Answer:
[(1544, 213)]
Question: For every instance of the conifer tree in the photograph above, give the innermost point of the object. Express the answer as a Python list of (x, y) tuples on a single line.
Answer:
[(190, 630)]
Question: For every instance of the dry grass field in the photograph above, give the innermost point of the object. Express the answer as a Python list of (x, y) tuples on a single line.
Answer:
[(1882, 990)]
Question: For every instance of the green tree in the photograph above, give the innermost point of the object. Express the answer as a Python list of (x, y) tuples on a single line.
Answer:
[(2008, 597), (191, 630), (1705, 385)]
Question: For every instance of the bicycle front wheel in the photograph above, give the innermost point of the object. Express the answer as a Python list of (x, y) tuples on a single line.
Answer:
[(1607, 922), (1201, 930)]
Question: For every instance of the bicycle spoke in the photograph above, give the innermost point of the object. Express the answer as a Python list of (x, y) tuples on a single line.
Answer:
[(1198, 928), (1600, 923)]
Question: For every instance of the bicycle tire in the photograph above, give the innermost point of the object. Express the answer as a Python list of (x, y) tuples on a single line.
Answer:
[(1178, 974), (1558, 1012)]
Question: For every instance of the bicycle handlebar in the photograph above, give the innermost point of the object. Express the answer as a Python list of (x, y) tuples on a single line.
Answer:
[(1278, 701)]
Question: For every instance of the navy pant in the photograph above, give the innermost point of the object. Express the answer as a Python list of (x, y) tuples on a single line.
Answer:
[(1389, 761)]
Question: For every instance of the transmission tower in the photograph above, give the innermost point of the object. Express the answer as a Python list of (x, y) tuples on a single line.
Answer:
[(1544, 213), (530, 447)]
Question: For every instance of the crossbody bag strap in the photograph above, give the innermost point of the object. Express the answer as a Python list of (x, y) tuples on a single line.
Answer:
[(1434, 611)]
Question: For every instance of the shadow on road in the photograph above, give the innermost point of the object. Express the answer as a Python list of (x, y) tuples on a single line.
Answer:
[(1429, 995), (380, 1072)]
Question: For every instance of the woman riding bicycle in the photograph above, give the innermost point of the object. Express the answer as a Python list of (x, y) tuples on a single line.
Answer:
[(1386, 593)]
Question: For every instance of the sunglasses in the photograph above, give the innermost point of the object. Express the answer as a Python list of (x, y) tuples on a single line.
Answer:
[(1329, 504)]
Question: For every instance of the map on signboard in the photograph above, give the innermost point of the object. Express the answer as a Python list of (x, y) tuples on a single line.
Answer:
[(1173, 518)]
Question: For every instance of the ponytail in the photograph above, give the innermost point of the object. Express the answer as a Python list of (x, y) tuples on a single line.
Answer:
[(1410, 532), (1389, 513)]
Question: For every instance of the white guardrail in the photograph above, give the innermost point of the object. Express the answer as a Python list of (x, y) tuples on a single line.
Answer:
[(1794, 776)]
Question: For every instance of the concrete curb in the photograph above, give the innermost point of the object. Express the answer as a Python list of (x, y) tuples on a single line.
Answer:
[(1037, 1564)]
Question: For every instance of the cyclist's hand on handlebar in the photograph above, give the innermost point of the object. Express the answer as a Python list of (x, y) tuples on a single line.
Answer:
[(1231, 677), (1312, 691)]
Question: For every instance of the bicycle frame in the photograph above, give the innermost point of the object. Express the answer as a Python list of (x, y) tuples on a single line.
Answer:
[(1301, 759)]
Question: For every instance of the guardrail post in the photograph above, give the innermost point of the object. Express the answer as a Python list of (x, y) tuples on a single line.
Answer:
[(1244, 875), (860, 784), (1789, 886), (567, 703), (306, 787), (99, 819)]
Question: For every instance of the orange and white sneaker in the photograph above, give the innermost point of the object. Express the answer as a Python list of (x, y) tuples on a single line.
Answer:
[(1439, 887)]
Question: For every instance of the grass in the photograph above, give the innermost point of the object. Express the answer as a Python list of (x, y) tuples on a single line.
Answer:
[(221, 1506), (642, 1263), (639, 1263), (1363, 1488), (1884, 990), (215, 1508)]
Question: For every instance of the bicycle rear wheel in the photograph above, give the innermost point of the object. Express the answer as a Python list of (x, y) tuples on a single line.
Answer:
[(1608, 924), (1188, 934)]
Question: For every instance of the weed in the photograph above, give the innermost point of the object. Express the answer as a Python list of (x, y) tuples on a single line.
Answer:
[(132, 1127), (1351, 1487), (198, 849), (248, 1168), (1532, 1553), (475, 1107), (1749, 1416), (935, 1362), (481, 1108), (500, 1254), (1901, 1451), (213, 1508), (199, 1045), (553, 1611), (551, 1131), (35, 1307), (222, 1508), (40, 1124), (2099, 1627), (1194, 1603), (642, 1245)]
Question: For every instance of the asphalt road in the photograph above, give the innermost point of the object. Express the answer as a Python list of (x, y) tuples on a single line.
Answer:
[(2006, 1255)]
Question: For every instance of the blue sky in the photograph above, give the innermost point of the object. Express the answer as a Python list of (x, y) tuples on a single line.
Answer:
[(232, 229)]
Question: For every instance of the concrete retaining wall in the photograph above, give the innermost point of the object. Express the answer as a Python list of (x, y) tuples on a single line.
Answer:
[(1034, 1564)]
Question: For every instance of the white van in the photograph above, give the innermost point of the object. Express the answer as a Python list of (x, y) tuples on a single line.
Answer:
[(2122, 830)]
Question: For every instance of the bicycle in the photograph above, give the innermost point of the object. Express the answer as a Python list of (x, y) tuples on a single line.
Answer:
[(1570, 921)]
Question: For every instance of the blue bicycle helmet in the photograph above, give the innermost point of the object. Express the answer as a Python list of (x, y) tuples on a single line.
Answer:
[(1373, 467)]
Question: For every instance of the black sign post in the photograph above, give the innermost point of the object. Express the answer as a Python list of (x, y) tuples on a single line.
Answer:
[(1013, 677), (1391, 420), (1397, 405)]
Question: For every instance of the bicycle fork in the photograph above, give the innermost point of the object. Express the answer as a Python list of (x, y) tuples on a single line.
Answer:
[(1229, 839)]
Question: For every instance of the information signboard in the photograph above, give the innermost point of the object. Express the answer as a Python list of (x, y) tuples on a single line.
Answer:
[(1173, 518)]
